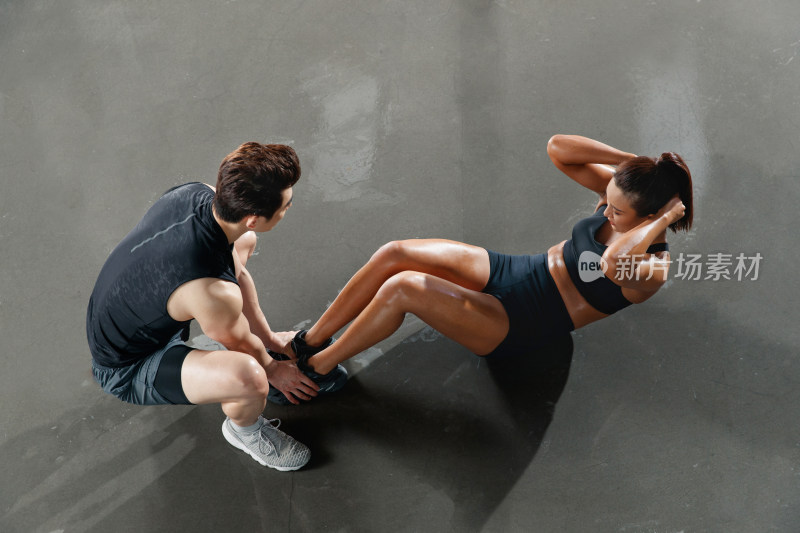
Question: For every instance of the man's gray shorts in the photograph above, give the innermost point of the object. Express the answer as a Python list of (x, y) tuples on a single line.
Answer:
[(138, 383)]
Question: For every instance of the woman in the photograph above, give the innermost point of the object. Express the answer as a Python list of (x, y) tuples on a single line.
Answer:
[(495, 304)]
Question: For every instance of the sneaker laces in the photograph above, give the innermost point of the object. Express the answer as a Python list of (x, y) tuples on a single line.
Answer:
[(264, 440)]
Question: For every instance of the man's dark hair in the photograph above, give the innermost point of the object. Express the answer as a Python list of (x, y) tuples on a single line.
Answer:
[(252, 178)]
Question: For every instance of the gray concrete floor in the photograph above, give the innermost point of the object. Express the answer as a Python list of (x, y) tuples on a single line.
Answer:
[(412, 118)]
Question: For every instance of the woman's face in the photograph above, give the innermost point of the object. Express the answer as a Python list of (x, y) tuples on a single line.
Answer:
[(620, 212)]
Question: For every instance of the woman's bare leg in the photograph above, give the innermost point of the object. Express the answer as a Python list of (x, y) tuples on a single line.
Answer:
[(473, 319), (462, 264)]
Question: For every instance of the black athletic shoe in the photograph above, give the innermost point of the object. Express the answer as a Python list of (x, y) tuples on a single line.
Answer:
[(303, 350), (328, 383)]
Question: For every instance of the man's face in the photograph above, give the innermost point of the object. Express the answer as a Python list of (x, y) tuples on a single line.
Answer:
[(262, 224)]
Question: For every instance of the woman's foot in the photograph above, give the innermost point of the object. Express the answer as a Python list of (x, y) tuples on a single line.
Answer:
[(328, 383)]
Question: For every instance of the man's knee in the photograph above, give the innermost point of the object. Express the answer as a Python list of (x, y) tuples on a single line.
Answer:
[(250, 378)]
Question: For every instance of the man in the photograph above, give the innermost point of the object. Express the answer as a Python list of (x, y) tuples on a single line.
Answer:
[(186, 260)]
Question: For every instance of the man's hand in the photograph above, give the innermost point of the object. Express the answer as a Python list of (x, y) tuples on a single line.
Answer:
[(283, 342), (287, 378)]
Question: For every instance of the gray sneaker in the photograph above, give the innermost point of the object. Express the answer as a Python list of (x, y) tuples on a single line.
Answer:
[(268, 445)]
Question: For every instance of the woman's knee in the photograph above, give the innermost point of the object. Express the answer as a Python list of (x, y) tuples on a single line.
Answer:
[(402, 288), (391, 254)]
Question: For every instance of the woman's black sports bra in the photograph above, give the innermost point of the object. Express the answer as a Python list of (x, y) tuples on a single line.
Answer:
[(582, 256)]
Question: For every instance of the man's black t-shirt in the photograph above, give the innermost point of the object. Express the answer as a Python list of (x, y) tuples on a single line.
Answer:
[(176, 241)]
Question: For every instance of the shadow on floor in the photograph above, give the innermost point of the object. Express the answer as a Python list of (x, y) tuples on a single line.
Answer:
[(428, 436), (432, 437)]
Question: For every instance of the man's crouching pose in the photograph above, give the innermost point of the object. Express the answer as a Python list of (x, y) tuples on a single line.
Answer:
[(186, 260)]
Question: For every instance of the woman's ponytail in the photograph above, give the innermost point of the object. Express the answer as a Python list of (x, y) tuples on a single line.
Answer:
[(671, 167)]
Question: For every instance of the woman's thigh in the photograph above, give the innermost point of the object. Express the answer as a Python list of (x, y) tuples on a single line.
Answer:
[(474, 319), (463, 264)]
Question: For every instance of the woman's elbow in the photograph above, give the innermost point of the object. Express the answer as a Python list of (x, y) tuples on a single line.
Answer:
[(614, 265), (554, 145)]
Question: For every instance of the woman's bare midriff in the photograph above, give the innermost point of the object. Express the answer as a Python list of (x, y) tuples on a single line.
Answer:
[(578, 308)]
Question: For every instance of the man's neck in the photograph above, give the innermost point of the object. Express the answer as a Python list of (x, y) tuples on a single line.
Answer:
[(232, 230)]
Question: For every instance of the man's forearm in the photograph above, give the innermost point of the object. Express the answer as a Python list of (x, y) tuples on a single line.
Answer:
[(252, 345), (252, 311)]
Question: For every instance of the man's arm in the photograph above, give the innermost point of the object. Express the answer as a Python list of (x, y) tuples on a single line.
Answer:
[(279, 342), (217, 305)]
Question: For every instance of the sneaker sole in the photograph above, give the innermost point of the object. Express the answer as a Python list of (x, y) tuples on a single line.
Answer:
[(236, 443)]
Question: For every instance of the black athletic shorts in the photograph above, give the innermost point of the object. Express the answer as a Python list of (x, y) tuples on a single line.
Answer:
[(153, 380), (528, 293)]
